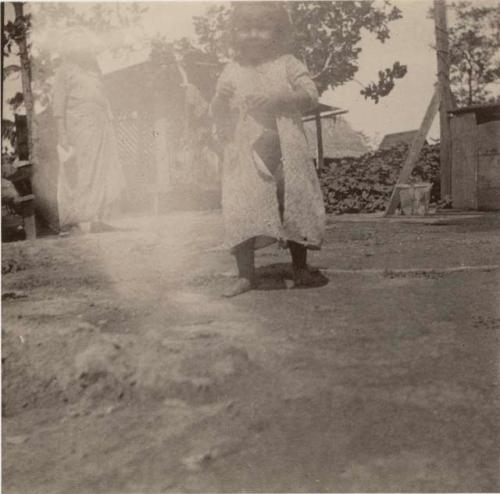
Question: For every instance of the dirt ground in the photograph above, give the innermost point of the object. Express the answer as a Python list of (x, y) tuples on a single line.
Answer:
[(124, 371)]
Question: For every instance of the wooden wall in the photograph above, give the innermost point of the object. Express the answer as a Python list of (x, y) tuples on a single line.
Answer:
[(464, 161), (488, 166)]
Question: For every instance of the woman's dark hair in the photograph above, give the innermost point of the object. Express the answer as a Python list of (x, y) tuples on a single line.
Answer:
[(269, 15)]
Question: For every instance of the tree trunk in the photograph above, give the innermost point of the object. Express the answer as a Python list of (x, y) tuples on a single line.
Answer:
[(25, 73)]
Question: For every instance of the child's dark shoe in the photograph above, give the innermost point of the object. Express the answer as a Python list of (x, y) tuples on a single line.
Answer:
[(241, 285), (308, 278)]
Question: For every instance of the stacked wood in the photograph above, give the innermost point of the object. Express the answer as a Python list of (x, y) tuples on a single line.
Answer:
[(364, 184)]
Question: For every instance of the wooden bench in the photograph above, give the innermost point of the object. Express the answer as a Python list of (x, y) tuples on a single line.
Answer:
[(24, 205)]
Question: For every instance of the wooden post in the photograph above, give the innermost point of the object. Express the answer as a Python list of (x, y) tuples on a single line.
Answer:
[(162, 161), (28, 215), (414, 151), (319, 140), (446, 103)]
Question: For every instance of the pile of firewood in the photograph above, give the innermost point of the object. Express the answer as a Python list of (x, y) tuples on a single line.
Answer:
[(364, 184)]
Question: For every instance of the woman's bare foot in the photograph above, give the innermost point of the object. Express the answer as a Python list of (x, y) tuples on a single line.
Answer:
[(101, 227), (241, 285), (72, 230), (85, 226)]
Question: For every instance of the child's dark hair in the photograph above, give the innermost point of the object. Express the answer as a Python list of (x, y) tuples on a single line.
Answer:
[(271, 15)]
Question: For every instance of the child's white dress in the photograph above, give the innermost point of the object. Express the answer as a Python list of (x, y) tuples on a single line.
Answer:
[(249, 200)]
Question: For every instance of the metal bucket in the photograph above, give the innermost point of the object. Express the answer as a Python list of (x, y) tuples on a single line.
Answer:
[(415, 198)]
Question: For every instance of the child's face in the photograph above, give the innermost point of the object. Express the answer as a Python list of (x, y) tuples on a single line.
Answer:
[(254, 41), (254, 34)]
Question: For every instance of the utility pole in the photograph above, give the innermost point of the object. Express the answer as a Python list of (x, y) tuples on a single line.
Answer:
[(442, 100), (445, 98)]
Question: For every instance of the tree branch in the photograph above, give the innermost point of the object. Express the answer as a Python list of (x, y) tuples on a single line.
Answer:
[(325, 66)]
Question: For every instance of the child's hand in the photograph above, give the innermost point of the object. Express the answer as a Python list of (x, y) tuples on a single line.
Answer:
[(281, 102), (63, 141), (257, 101), (272, 103), (193, 94), (226, 90)]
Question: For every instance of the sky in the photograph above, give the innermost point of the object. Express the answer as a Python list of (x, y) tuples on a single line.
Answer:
[(410, 43), (404, 108)]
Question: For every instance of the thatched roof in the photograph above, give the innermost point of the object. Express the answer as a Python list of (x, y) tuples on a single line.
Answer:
[(134, 84), (392, 140), (339, 139), (110, 62), (149, 82)]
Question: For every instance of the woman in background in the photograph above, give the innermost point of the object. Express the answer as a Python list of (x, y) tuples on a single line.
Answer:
[(90, 175)]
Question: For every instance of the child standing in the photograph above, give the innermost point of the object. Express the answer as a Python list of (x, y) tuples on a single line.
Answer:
[(270, 188)]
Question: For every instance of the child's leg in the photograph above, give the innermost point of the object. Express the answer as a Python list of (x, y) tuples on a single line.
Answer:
[(303, 276), (245, 260), (299, 255), (269, 150), (85, 226)]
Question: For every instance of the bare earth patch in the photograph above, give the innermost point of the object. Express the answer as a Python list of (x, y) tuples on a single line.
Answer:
[(125, 371)]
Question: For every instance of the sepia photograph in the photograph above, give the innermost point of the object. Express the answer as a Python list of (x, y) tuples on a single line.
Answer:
[(250, 246)]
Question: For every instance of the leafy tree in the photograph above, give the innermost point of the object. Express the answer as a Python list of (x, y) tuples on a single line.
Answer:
[(29, 41), (43, 25), (15, 40), (327, 39), (474, 39)]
